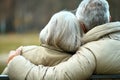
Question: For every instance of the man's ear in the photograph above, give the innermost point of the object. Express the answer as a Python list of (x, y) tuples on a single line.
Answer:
[(83, 27)]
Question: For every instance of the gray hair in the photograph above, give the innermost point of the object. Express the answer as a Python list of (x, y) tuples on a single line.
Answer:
[(62, 31), (93, 13)]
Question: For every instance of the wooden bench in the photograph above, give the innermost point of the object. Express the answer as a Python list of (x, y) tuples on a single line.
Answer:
[(93, 77)]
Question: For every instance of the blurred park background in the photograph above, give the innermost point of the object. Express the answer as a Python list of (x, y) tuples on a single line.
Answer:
[(22, 20)]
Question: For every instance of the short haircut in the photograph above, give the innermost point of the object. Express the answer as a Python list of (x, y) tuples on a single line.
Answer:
[(93, 13)]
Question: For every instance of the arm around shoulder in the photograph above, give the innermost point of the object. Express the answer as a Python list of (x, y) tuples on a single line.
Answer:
[(79, 67)]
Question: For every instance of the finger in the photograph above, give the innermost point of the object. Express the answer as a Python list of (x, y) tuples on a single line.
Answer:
[(19, 50), (12, 53)]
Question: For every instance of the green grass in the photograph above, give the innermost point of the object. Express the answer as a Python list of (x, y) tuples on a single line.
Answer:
[(2, 68), (13, 41)]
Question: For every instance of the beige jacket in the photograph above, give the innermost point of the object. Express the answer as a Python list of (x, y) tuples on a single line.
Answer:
[(45, 55), (100, 57), (42, 55)]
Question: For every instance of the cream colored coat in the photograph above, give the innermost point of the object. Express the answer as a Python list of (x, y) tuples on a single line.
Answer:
[(100, 57), (45, 55)]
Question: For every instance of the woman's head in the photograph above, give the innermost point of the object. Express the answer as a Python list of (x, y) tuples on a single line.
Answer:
[(62, 31), (93, 13)]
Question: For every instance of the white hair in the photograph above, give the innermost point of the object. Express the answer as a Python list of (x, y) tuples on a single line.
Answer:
[(93, 13), (62, 31)]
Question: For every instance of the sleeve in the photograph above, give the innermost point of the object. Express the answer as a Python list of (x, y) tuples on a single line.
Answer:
[(18, 68), (79, 67)]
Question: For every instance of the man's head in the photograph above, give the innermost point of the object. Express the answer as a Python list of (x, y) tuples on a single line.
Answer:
[(62, 32), (93, 13)]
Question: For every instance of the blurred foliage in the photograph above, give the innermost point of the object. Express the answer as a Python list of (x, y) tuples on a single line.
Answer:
[(27, 15), (114, 9)]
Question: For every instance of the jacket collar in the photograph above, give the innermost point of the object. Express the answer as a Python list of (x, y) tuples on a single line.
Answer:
[(100, 31)]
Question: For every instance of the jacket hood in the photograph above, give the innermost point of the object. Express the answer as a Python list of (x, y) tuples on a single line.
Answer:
[(100, 31)]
